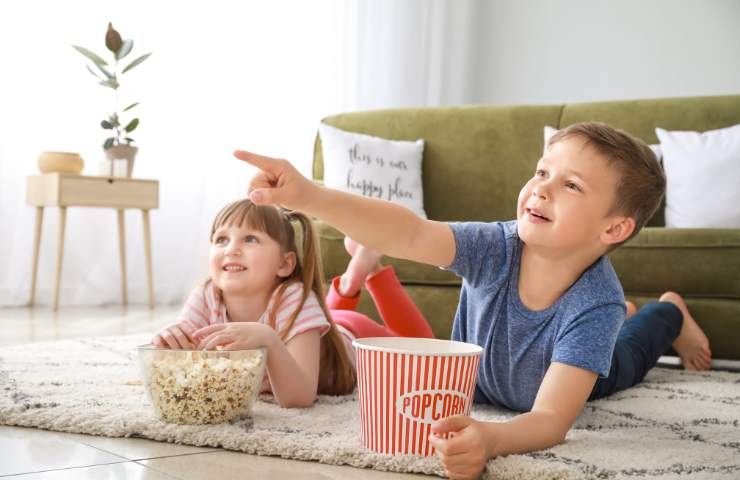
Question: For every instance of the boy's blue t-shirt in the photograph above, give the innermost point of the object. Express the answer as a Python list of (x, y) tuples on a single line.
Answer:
[(579, 329)]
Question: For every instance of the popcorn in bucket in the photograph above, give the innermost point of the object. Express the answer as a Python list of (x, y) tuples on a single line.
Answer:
[(407, 384)]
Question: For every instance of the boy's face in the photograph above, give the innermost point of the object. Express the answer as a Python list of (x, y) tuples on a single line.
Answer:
[(564, 206)]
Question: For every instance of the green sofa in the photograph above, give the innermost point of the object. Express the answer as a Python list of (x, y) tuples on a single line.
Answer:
[(476, 159)]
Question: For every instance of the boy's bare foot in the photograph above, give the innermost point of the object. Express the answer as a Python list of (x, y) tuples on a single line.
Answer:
[(692, 345), (363, 263), (631, 308)]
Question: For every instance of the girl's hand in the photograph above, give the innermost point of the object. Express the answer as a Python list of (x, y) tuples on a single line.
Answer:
[(463, 452), (235, 336), (174, 337), (277, 183)]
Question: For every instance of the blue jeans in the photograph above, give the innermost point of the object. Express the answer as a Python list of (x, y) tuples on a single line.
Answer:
[(641, 341)]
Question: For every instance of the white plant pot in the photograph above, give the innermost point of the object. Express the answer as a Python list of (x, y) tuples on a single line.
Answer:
[(117, 154)]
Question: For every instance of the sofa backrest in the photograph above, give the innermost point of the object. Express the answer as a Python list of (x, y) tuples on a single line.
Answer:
[(476, 158)]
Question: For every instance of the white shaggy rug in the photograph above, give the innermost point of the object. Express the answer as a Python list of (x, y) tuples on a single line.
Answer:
[(676, 425)]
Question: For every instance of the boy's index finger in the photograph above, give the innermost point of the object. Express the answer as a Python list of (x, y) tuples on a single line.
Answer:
[(259, 161)]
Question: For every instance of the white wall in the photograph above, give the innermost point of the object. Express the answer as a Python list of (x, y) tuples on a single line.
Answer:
[(260, 75), (250, 74), (533, 51)]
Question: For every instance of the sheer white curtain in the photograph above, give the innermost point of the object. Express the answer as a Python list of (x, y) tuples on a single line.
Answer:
[(250, 74), (409, 53)]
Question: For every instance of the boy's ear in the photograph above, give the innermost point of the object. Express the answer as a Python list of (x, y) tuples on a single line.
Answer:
[(620, 230), (288, 265)]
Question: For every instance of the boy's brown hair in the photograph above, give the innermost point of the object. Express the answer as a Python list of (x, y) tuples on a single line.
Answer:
[(641, 183)]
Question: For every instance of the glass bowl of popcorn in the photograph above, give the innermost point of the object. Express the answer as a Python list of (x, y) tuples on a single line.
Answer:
[(201, 386)]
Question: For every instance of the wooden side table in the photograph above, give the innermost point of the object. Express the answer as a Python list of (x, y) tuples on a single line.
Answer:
[(65, 190)]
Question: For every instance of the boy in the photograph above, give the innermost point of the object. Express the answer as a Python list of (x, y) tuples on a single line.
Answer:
[(538, 294)]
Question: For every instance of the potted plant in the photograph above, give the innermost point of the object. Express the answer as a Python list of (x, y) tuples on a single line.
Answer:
[(119, 144)]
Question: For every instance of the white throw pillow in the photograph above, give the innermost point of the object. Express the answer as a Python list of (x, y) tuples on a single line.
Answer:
[(550, 131), (373, 166), (703, 177)]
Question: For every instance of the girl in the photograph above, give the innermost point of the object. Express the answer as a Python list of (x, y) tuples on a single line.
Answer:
[(262, 293)]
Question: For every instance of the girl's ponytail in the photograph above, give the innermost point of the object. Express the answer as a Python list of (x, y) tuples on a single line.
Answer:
[(336, 371)]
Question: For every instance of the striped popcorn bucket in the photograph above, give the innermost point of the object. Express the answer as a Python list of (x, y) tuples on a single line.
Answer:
[(407, 384)]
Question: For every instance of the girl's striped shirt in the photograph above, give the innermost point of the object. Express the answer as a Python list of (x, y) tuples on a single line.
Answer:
[(205, 306)]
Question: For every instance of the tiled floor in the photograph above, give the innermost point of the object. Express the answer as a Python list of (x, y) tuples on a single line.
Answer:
[(32, 454)]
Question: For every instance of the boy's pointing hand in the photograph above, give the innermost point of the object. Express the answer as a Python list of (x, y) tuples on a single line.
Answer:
[(277, 183)]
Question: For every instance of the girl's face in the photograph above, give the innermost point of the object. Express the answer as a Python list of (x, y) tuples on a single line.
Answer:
[(247, 261)]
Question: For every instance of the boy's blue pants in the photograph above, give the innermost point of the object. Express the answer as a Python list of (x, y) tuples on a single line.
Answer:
[(644, 337)]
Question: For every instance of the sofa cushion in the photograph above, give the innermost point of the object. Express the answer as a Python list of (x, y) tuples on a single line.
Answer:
[(701, 264), (692, 261), (410, 273), (374, 166), (640, 117), (476, 158), (702, 172)]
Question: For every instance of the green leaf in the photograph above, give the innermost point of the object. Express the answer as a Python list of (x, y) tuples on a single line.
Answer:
[(125, 49), (106, 125), (111, 83), (113, 39), (108, 143), (94, 74), (132, 125), (136, 62), (130, 107), (129, 140), (105, 71), (90, 55)]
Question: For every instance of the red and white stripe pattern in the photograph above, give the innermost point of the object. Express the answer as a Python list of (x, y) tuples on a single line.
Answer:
[(402, 394), (205, 307)]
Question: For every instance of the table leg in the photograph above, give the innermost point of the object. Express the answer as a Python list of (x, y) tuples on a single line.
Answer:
[(148, 255), (60, 253), (36, 245), (122, 250)]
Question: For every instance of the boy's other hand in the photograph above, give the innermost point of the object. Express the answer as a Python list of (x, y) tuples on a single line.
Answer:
[(277, 183), (463, 452)]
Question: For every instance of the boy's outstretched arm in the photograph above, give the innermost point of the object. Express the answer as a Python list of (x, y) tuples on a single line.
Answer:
[(383, 226), (560, 399)]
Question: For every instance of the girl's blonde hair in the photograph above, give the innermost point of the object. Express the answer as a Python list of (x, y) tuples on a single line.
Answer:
[(336, 373)]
